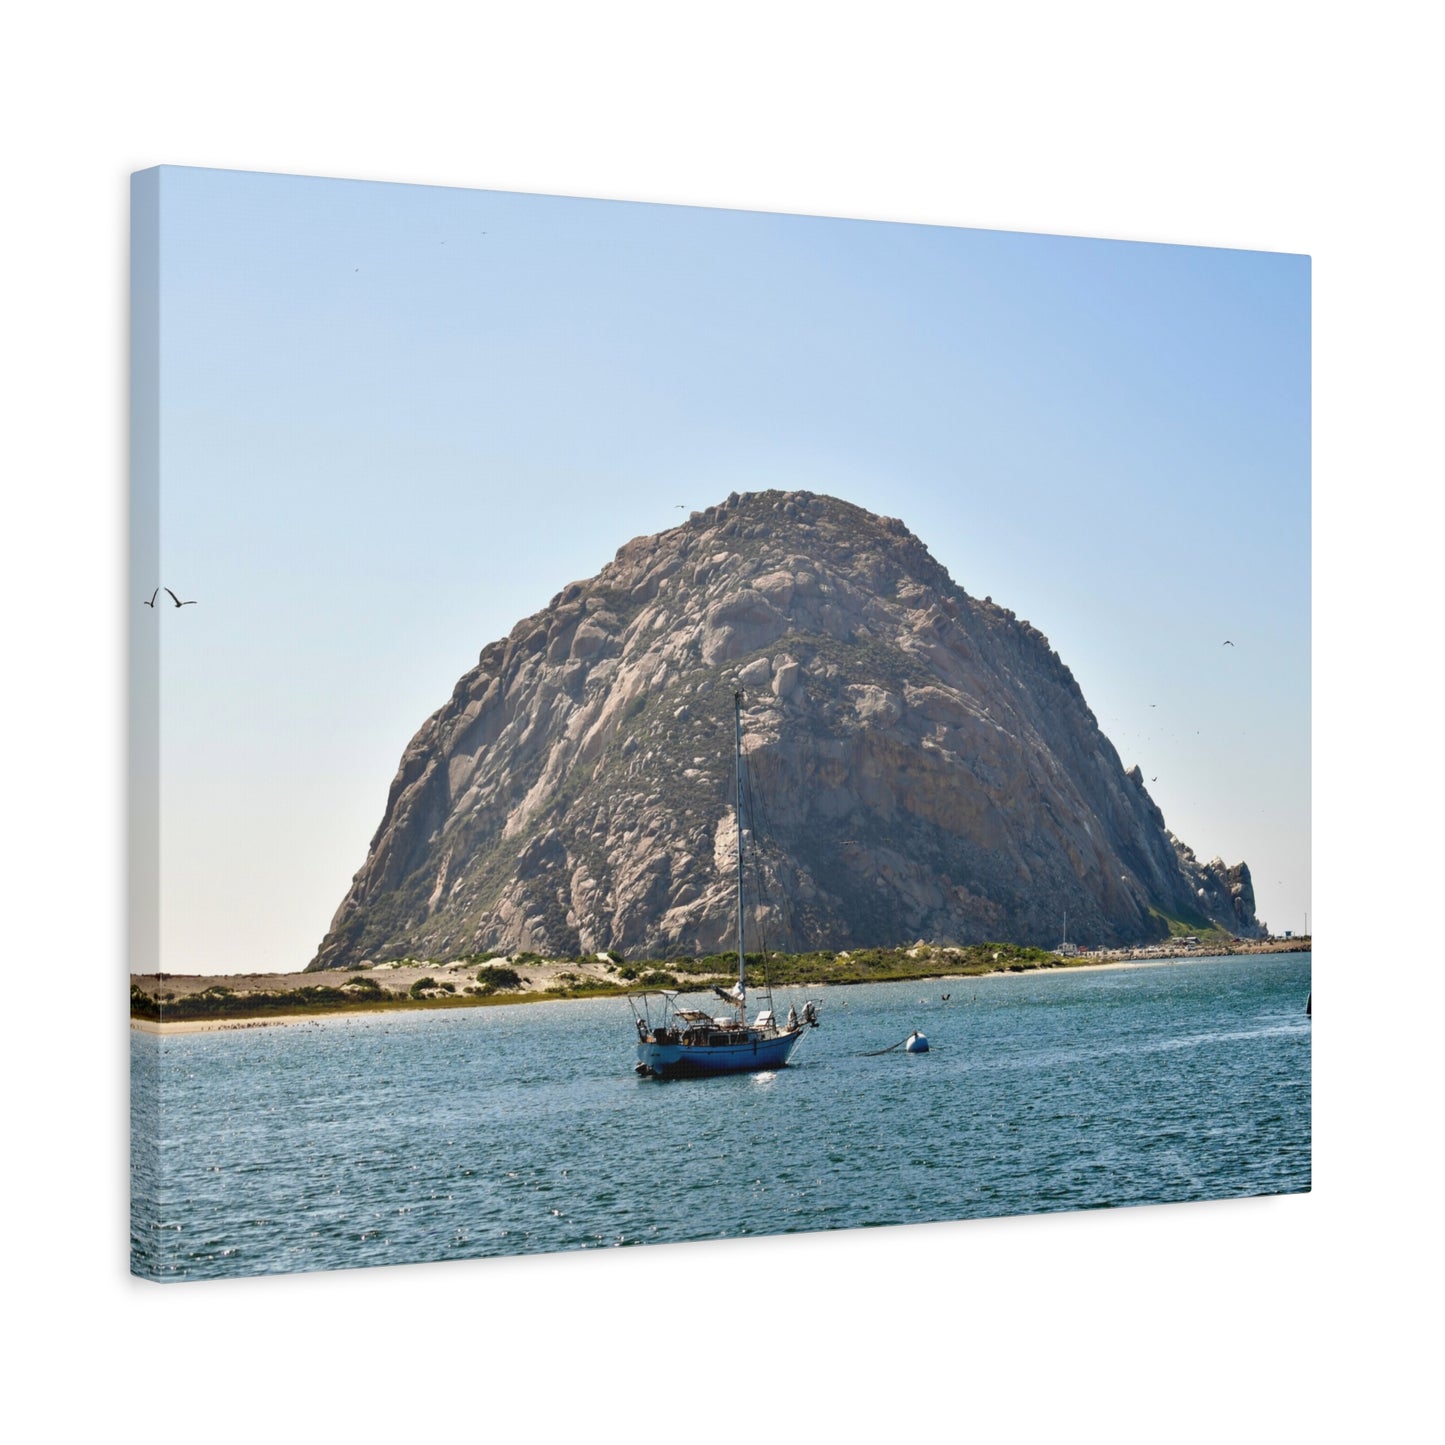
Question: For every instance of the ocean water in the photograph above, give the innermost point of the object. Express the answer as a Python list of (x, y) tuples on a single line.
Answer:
[(437, 1135)]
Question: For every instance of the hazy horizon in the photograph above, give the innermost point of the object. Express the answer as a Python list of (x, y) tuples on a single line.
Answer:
[(395, 420)]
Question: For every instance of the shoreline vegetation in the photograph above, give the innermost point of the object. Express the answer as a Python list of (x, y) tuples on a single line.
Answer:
[(186, 1002)]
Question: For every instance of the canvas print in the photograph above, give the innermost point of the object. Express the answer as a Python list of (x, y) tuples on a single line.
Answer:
[(656, 724)]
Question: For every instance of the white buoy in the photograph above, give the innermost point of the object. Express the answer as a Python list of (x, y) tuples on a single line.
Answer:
[(917, 1043)]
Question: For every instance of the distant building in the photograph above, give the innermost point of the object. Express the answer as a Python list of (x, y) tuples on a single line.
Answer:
[(1068, 950)]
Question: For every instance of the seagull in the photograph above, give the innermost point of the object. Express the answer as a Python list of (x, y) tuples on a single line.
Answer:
[(152, 602), (1226, 643), (189, 602)]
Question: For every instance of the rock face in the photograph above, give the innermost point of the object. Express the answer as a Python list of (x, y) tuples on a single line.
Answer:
[(921, 765)]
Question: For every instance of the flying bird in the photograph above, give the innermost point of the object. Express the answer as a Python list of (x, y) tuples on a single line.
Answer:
[(1226, 643), (152, 602), (189, 602)]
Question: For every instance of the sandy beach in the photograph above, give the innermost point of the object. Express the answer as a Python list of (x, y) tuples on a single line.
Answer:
[(216, 1026), (540, 977)]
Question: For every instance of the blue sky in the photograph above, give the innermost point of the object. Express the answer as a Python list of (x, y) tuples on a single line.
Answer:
[(396, 419)]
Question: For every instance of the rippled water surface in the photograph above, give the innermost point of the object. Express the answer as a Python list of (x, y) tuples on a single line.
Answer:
[(431, 1135)]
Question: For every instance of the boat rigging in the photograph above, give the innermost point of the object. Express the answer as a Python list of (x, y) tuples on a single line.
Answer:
[(692, 1041)]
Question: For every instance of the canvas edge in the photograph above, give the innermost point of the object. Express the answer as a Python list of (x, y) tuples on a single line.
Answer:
[(143, 686)]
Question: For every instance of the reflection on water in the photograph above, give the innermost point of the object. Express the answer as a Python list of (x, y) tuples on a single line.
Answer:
[(393, 1139)]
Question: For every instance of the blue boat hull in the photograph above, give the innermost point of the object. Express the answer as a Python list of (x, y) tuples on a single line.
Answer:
[(676, 1061)]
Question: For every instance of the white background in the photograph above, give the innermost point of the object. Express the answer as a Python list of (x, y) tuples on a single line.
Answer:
[(1266, 126)]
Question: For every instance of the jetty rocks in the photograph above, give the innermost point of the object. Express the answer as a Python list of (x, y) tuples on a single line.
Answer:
[(921, 765)]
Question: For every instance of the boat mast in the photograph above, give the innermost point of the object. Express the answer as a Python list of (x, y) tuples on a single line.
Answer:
[(742, 961)]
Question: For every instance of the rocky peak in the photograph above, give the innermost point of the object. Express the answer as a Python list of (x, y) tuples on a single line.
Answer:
[(922, 764)]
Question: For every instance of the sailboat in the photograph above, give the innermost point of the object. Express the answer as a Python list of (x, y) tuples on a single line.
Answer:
[(1065, 948), (690, 1042)]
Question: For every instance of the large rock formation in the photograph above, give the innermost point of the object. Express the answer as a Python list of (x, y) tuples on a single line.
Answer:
[(922, 764)]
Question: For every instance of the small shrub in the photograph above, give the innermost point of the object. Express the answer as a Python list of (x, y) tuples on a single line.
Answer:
[(497, 976), (420, 987)]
